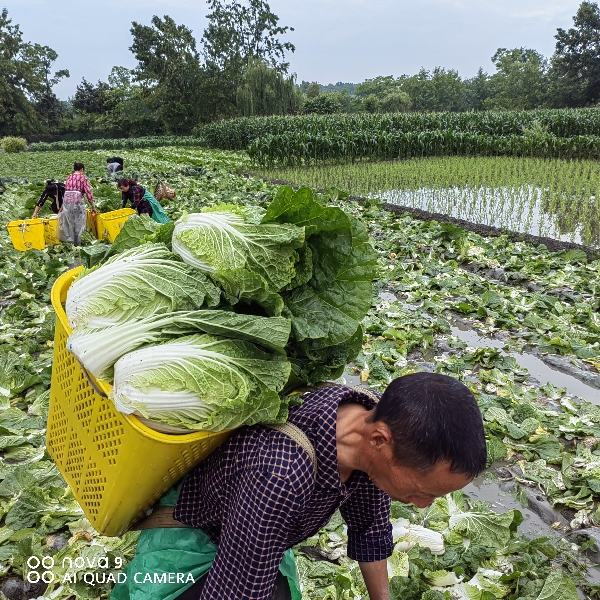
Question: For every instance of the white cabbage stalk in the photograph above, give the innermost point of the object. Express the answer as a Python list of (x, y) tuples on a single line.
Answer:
[(98, 349), (407, 536)]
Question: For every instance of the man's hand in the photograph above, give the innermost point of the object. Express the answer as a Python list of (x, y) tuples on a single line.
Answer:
[(376, 578)]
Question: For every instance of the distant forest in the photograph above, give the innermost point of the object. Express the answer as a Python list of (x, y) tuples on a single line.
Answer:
[(240, 67)]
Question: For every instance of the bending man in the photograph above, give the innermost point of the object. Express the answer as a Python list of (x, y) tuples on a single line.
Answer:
[(259, 494)]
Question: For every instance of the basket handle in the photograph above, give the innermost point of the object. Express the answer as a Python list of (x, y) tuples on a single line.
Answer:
[(23, 228), (92, 382)]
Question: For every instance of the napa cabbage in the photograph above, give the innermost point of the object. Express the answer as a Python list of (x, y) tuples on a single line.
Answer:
[(137, 283), (202, 382), (332, 292), (302, 259), (98, 349), (224, 244)]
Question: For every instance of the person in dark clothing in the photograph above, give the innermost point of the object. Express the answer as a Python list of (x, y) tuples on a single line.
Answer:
[(113, 165), (265, 490), (132, 191), (53, 190)]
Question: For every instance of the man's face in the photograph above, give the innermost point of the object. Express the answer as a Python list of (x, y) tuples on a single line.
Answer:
[(410, 486)]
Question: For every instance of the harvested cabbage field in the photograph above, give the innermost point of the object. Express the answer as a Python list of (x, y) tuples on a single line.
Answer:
[(518, 323)]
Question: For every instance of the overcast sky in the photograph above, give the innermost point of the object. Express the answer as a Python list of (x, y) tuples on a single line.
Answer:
[(336, 40)]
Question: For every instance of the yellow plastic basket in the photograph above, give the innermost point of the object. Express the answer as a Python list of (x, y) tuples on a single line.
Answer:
[(27, 235), (89, 220), (110, 223), (51, 231), (116, 467)]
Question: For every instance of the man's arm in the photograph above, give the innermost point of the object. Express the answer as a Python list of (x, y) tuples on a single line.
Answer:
[(376, 579), (367, 514)]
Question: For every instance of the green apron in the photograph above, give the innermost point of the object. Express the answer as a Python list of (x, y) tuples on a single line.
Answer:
[(158, 214), (178, 551)]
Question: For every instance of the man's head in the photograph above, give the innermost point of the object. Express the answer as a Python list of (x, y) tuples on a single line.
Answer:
[(428, 432)]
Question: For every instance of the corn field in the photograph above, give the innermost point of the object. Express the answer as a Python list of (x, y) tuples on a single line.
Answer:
[(238, 134), (306, 149)]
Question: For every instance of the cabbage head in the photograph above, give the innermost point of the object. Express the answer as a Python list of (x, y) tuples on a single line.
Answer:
[(202, 382)]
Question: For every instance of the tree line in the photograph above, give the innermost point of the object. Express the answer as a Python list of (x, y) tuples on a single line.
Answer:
[(239, 68)]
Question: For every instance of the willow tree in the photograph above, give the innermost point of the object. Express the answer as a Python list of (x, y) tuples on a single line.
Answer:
[(265, 91)]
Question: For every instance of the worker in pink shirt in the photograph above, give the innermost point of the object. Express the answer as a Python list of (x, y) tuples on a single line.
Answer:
[(72, 216)]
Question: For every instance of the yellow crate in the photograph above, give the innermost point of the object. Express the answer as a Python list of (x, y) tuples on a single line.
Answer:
[(27, 235), (89, 221), (116, 467), (110, 223), (51, 231)]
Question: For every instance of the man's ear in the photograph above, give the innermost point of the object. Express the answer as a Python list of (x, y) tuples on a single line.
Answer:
[(381, 436)]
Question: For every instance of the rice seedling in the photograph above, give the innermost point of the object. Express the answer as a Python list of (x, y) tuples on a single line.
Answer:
[(554, 198)]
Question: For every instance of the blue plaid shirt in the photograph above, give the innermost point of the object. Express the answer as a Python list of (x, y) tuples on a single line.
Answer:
[(255, 496)]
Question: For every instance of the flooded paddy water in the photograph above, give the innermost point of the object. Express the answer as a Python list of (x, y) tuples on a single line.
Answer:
[(523, 209), (553, 198)]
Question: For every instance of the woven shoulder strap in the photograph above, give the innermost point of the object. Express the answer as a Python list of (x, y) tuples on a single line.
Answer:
[(296, 434)]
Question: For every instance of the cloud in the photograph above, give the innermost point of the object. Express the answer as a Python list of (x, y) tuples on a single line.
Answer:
[(336, 40)]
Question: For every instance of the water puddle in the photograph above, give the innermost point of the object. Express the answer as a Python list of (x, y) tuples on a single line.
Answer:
[(502, 500), (388, 296), (533, 526), (537, 368)]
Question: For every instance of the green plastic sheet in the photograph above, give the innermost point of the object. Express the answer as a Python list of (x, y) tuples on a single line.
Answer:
[(158, 213), (183, 551)]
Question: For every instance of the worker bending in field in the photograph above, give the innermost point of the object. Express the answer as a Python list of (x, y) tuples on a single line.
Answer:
[(141, 200), (261, 492), (114, 165), (53, 190), (72, 215)]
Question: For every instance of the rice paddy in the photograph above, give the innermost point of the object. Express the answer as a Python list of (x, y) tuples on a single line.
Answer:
[(545, 197)]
